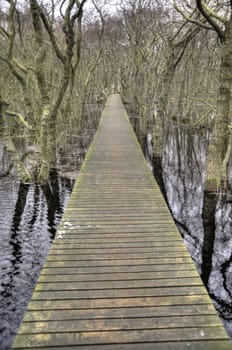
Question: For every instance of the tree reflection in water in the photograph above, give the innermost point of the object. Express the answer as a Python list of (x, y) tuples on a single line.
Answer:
[(28, 221), (206, 229)]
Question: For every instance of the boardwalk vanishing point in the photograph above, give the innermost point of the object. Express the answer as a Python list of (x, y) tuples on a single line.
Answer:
[(118, 275)]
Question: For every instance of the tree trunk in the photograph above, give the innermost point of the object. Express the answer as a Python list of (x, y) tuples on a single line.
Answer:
[(48, 126), (219, 141), (158, 130), (47, 145), (14, 153)]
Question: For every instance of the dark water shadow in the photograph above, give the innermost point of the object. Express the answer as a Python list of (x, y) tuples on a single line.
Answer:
[(29, 225), (204, 219)]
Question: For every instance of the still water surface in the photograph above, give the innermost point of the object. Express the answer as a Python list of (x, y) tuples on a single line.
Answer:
[(29, 215), (205, 223)]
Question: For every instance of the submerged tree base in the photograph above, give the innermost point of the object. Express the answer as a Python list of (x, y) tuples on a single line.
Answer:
[(213, 184)]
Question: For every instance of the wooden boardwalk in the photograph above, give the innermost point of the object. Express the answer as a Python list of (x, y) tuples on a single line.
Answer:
[(118, 275)]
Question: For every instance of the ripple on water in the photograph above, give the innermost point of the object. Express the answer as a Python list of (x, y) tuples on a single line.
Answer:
[(29, 215)]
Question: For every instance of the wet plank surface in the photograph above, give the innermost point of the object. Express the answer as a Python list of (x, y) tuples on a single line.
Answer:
[(118, 276)]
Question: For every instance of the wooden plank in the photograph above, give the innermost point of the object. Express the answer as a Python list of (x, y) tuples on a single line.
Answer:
[(131, 312), (119, 293), (116, 245), (118, 262), (119, 241), (119, 302), (115, 337), (118, 276), (155, 229), (116, 250), (152, 222), (114, 210), (117, 269), (76, 233), (115, 256), (180, 345), (143, 283), (67, 326)]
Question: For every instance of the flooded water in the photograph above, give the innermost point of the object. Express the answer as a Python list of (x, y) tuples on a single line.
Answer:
[(204, 222), (29, 215)]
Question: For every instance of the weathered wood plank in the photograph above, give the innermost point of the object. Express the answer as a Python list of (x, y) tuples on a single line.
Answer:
[(116, 250), (125, 245), (118, 276), (131, 312), (134, 241), (180, 345), (116, 337), (77, 232), (118, 262), (117, 269), (155, 229), (119, 293), (118, 302), (96, 284), (115, 256), (119, 324)]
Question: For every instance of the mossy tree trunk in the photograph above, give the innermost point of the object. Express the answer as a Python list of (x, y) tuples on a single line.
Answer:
[(219, 19), (50, 105), (10, 146), (220, 137)]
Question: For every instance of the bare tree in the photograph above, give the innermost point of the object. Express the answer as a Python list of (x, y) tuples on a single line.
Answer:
[(53, 42), (217, 16)]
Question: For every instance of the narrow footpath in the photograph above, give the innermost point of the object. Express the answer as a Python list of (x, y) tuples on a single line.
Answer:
[(118, 275)]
